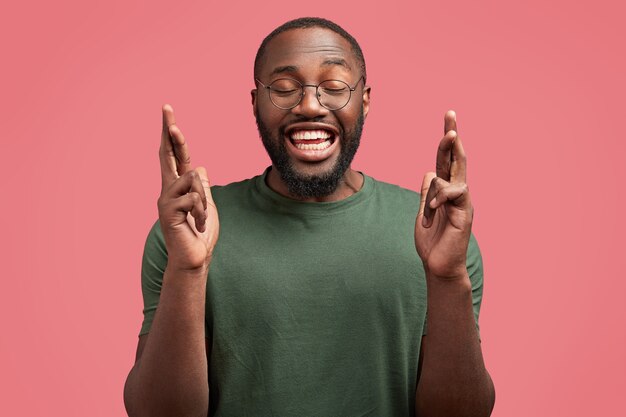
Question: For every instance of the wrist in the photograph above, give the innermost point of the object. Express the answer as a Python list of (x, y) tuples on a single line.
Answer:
[(182, 272), (447, 274), (459, 278)]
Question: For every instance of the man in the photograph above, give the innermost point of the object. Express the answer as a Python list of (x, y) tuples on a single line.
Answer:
[(315, 302)]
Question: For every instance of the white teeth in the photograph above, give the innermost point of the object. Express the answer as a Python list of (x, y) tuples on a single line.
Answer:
[(300, 135), (310, 134), (313, 146)]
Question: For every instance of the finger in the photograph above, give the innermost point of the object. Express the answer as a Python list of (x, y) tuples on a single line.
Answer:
[(209, 203), (444, 155), (449, 122), (190, 182), (436, 184), (458, 167), (424, 192), (198, 187), (181, 151), (166, 151), (192, 203), (455, 193), (206, 185)]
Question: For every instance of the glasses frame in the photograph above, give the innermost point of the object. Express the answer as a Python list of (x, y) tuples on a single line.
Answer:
[(317, 93)]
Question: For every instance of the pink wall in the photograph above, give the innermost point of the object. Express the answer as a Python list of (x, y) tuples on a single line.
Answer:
[(538, 87)]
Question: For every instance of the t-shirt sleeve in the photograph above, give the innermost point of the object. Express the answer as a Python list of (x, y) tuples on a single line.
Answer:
[(475, 271), (153, 266)]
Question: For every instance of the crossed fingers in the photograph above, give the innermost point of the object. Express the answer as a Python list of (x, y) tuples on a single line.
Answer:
[(448, 183), (183, 189)]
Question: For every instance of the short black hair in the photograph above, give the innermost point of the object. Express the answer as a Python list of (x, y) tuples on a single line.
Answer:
[(309, 22)]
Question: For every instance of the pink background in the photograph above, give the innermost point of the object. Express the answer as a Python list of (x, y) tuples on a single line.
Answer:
[(538, 87)]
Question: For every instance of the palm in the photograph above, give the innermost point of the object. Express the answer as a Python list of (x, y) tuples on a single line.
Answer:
[(198, 246), (443, 246)]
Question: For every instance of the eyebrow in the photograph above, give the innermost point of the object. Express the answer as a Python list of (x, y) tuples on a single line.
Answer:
[(329, 62), (285, 68), (337, 61)]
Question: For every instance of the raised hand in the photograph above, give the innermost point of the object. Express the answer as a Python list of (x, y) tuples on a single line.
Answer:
[(187, 213), (444, 220)]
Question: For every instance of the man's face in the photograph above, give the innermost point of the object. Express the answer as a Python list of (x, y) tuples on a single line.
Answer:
[(310, 146)]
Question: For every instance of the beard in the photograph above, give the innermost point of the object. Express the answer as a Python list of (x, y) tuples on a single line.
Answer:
[(307, 186)]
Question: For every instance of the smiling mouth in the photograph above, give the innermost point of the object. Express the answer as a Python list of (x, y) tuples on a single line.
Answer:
[(311, 139)]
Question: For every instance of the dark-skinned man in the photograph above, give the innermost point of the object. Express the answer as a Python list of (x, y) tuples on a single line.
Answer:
[(313, 300)]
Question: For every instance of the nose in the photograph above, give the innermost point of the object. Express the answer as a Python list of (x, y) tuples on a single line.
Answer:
[(309, 105)]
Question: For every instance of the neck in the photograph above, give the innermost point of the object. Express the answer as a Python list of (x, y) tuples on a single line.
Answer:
[(351, 183)]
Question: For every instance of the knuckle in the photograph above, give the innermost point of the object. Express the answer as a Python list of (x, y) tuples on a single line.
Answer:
[(162, 199), (163, 206), (195, 197), (439, 182), (186, 159)]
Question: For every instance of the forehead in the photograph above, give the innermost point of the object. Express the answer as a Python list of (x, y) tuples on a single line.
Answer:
[(311, 48)]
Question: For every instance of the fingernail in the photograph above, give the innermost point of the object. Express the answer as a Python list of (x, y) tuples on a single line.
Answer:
[(424, 222)]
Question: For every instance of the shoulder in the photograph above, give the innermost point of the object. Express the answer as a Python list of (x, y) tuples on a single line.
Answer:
[(394, 193), (234, 193), (232, 189)]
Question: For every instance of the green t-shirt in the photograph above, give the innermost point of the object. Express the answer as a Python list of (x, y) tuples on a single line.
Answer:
[(312, 309)]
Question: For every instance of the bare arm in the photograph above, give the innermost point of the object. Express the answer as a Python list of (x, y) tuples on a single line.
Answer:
[(170, 375), (453, 380)]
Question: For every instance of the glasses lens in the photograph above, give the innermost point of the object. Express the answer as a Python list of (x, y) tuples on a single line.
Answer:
[(285, 93), (334, 94)]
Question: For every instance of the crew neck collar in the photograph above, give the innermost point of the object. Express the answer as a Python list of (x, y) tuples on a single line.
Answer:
[(280, 202)]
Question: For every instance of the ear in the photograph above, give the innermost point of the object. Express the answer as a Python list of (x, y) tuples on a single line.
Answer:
[(366, 100), (253, 94)]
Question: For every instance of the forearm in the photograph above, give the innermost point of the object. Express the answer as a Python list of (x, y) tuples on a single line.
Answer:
[(453, 379), (171, 377)]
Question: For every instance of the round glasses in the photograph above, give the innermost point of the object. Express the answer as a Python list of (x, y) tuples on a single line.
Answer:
[(286, 93)]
